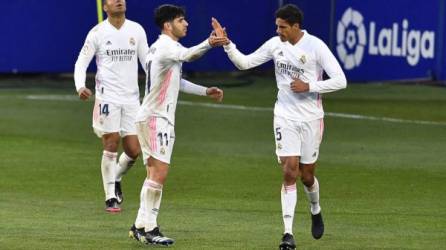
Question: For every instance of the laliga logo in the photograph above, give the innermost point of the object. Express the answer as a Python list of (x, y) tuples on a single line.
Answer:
[(351, 32), (352, 38)]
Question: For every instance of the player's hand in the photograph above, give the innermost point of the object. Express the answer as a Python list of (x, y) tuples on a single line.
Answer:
[(218, 32), (217, 28), (215, 93), (299, 86), (216, 41), (84, 93)]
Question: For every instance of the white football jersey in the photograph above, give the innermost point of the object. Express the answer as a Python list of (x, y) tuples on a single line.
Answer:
[(117, 52), (306, 60), (163, 64)]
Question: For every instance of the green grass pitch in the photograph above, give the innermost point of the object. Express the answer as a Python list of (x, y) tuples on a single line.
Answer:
[(383, 183)]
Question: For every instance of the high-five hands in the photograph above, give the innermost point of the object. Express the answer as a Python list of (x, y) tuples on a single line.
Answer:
[(219, 31), (218, 36)]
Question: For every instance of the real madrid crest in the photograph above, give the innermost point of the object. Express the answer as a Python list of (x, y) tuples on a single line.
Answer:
[(132, 41), (162, 151), (303, 59), (279, 146)]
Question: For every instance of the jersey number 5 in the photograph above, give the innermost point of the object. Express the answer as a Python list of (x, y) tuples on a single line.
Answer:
[(278, 134)]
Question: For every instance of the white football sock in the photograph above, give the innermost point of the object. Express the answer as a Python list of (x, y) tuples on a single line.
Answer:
[(140, 221), (289, 200), (108, 167), (153, 194), (313, 196), (124, 164)]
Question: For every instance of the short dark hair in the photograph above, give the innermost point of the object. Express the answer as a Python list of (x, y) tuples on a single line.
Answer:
[(291, 14), (166, 13)]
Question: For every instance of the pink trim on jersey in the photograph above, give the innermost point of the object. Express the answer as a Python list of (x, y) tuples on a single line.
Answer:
[(152, 133), (321, 127), (96, 110), (319, 99), (164, 86)]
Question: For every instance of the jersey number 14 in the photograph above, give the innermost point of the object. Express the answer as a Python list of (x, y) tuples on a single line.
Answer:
[(103, 109)]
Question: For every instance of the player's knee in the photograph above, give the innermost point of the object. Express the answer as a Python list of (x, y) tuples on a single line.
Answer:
[(289, 163), (307, 179), (111, 146), (111, 142), (158, 175), (290, 172), (133, 152)]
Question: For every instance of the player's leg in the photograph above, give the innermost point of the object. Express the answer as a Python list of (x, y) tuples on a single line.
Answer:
[(130, 145), (126, 161), (312, 137), (106, 121), (108, 167), (157, 171), (137, 229), (289, 199), (156, 138), (311, 187), (145, 140), (287, 151)]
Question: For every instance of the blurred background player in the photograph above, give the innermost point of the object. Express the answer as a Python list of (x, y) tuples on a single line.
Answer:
[(300, 60), (156, 117), (117, 44)]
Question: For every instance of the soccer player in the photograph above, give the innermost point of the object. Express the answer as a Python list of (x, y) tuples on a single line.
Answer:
[(300, 60), (156, 117), (117, 44)]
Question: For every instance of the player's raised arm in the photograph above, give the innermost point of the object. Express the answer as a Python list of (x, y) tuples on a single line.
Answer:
[(195, 52), (241, 61)]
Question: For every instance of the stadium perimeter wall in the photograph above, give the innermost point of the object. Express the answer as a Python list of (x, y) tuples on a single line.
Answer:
[(374, 40)]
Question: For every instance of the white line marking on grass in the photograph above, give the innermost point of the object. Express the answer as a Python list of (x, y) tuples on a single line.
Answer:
[(224, 106), (53, 97), (385, 119), (331, 114), (250, 108)]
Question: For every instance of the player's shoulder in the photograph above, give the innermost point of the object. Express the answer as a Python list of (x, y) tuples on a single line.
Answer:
[(166, 41), (314, 40), (160, 45), (134, 25), (99, 27), (274, 40), (95, 31)]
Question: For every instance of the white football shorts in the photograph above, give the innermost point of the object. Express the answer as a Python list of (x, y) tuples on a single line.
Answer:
[(156, 137), (111, 118), (297, 138)]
